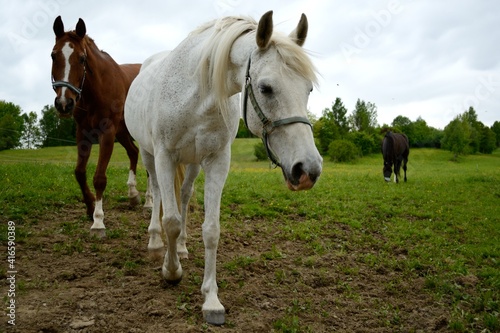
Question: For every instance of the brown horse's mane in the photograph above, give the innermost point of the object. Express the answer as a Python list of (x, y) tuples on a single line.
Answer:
[(88, 41)]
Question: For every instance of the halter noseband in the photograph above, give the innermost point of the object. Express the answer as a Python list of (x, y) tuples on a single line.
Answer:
[(66, 84), (268, 125)]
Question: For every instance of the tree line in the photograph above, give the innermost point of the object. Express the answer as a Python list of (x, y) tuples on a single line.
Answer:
[(340, 135), (25, 130), (344, 137)]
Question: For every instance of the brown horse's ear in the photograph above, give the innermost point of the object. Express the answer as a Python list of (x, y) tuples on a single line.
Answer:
[(300, 33), (81, 30), (58, 27), (265, 30)]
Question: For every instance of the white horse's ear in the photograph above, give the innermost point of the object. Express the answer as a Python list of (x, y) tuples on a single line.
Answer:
[(300, 33), (58, 27), (265, 30), (81, 30)]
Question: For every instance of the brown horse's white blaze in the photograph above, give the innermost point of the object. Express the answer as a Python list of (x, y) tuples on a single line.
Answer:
[(61, 101)]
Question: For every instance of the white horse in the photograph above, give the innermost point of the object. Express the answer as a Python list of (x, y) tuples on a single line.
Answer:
[(183, 109)]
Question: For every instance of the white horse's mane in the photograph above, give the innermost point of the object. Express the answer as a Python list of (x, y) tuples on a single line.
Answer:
[(214, 61)]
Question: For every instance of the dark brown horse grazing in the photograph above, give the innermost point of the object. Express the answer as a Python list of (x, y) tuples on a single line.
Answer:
[(395, 149), (92, 87)]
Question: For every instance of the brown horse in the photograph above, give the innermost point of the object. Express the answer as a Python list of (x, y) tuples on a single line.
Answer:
[(92, 87)]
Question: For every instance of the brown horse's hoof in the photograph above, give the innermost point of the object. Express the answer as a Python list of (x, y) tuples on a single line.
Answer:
[(99, 233)]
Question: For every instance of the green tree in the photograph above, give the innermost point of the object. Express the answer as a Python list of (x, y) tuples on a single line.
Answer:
[(366, 142), (56, 131), (496, 129), (243, 131), (339, 117), (331, 126), (456, 137), (31, 137), (470, 117), (364, 117), (403, 125), (11, 125), (488, 140), (343, 151), (420, 133)]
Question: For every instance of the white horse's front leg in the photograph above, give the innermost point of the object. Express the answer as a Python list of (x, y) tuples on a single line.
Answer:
[(187, 190), (133, 195), (216, 174)]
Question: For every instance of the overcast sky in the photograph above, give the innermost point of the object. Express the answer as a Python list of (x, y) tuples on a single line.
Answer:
[(417, 58)]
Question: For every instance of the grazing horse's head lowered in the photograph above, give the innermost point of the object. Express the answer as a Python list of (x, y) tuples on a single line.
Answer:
[(69, 66)]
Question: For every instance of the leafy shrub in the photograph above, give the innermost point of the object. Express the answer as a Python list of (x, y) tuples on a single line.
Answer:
[(366, 142), (260, 151), (343, 151)]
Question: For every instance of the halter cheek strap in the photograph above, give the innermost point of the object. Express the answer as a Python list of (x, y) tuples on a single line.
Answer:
[(268, 126)]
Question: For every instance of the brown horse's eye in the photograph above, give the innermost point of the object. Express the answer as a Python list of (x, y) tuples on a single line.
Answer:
[(82, 59), (53, 55)]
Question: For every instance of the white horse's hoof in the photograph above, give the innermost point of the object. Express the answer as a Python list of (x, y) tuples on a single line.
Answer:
[(172, 278), (99, 233), (156, 254), (215, 317), (134, 201), (183, 254)]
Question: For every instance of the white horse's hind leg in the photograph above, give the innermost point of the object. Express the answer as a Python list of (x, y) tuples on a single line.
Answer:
[(187, 190), (98, 229), (155, 245), (171, 220), (133, 195), (216, 173)]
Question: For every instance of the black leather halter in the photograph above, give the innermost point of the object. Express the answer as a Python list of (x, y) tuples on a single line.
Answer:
[(268, 125), (66, 84)]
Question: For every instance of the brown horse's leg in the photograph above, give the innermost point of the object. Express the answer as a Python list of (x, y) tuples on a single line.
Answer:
[(133, 155), (405, 161), (397, 167), (84, 147), (106, 143)]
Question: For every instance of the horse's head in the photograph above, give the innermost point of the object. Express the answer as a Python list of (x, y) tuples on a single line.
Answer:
[(279, 79), (69, 59)]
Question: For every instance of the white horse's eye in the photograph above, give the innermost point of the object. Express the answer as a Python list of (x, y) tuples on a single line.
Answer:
[(265, 89)]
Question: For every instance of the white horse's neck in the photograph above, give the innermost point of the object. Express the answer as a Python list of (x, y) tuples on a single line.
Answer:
[(240, 52)]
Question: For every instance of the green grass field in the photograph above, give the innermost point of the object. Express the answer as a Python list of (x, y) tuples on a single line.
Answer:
[(442, 226)]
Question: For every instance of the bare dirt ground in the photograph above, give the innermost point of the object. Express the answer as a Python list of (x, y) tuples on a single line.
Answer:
[(71, 282)]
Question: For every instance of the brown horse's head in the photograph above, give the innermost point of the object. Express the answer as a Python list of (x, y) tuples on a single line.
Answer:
[(69, 60)]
